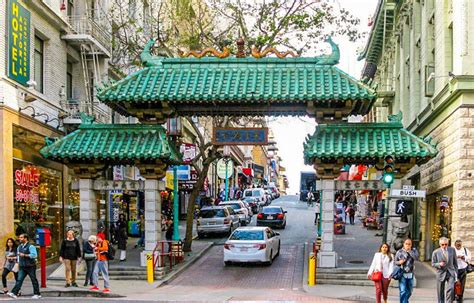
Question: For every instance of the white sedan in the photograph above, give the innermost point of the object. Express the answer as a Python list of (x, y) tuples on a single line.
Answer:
[(252, 244)]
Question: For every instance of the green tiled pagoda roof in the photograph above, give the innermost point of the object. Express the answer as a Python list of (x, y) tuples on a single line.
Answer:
[(236, 81), (366, 142), (120, 143)]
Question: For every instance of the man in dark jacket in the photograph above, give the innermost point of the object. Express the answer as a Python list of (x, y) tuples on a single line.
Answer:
[(69, 254), (27, 255)]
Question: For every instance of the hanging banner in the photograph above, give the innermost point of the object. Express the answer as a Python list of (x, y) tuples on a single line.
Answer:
[(18, 42), (189, 152)]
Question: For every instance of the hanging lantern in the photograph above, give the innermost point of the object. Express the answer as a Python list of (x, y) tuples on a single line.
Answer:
[(63, 5)]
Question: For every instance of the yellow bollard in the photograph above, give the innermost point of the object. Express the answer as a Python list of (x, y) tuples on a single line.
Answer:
[(149, 268), (311, 269)]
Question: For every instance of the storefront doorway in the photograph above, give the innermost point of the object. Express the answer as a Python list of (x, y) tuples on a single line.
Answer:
[(439, 218)]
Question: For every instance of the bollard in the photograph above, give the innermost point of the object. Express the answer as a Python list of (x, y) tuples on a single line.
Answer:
[(149, 268), (311, 269)]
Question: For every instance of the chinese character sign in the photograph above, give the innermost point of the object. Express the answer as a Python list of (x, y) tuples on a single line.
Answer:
[(240, 136), (18, 42)]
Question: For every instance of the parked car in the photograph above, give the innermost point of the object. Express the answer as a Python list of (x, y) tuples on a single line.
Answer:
[(240, 209), (247, 204), (253, 203), (252, 244), (272, 216), (217, 219), (269, 196), (274, 191), (258, 194)]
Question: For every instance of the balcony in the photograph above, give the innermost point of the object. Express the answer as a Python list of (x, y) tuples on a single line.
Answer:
[(75, 107), (88, 30)]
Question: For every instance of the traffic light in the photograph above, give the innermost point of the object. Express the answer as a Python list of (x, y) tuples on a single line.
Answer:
[(388, 170)]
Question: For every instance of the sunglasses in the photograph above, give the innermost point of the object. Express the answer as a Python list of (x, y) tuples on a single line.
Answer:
[(444, 244)]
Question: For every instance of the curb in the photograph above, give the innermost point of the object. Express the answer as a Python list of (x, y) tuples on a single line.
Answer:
[(73, 294), (305, 267), (173, 274)]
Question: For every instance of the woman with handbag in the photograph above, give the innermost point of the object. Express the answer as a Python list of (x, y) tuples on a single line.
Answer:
[(11, 264), (380, 271), (90, 258), (463, 259)]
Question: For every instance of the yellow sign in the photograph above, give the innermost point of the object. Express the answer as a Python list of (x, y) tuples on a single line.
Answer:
[(169, 180)]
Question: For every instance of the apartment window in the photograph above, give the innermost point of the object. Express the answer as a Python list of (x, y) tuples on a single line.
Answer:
[(69, 81), (39, 63), (70, 8)]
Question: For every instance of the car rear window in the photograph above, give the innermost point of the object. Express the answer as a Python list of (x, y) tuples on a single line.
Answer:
[(253, 193), (211, 213), (271, 210), (247, 235), (233, 205)]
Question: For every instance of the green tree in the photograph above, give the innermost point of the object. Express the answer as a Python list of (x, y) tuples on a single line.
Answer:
[(298, 25)]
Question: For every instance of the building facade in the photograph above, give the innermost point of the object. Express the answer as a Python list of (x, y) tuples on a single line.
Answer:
[(52, 58), (421, 56)]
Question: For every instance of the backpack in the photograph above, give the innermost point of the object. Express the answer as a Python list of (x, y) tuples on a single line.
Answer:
[(110, 251)]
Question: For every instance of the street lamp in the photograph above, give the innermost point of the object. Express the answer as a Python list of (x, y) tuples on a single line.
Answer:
[(174, 129), (226, 154)]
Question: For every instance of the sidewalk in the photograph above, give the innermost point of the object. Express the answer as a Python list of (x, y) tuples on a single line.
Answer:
[(119, 288)]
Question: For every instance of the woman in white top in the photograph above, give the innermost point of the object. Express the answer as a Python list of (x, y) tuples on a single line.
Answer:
[(464, 258), (383, 262)]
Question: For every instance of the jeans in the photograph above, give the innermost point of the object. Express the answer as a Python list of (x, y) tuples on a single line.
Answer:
[(90, 264), (71, 272), (406, 288), (351, 219), (141, 241), (27, 271), (4, 277), (101, 266)]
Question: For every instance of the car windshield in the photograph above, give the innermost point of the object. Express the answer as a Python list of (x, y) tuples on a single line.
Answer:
[(211, 213), (271, 210), (233, 205), (247, 235), (253, 193)]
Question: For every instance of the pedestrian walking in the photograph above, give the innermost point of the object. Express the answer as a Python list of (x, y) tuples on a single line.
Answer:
[(310, 198), (382, 266), (405, 258), (351, 211), (27, 255), (90, 258), (102, 264), (10, 264), (122, 238), (141, 241), (444, 259), (463, 259), (69, 255), (317, 211)]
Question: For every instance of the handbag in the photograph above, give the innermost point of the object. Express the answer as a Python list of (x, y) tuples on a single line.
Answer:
[(15, 268), (377, 275), (397, 273), (89, 256), (458, 288)]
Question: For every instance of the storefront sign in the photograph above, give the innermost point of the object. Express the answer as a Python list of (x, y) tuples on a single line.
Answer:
[(240, 136), (18, 42), (119, 185), (189, 152), (27, 181), (360, 185)]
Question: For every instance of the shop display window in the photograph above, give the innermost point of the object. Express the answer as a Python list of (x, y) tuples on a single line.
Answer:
[(38, 202)]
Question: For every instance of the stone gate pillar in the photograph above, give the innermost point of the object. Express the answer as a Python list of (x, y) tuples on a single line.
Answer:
[(327, 257), (152, 216), (88, 207)]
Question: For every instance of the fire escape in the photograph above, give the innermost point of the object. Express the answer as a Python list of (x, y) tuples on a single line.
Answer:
[(91, 38)]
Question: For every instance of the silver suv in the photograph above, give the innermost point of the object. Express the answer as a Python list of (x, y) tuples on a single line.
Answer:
[(240, 209), (217, 219)]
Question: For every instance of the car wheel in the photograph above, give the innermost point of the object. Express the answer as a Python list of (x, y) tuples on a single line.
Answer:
[(278, 252), (270, 262), (200, 235), (283, 226), (243, 223), (230, 230), (227, 263)]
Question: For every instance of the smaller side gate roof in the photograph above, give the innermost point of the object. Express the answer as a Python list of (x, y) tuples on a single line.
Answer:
[(113, 144), (333, 145)]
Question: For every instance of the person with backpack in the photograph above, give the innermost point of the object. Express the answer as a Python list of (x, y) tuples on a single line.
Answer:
[(27, 255), (70, 255), (380, 271), (405, 258), (101, 266), (351, 212)]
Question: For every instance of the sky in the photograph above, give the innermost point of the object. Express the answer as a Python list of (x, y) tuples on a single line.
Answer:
[(290, 132)]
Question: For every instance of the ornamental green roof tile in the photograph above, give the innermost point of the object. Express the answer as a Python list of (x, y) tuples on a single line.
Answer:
[(117, 143), (365, 141), (236, 80)]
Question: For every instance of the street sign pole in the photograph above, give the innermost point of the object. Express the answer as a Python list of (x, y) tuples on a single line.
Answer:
[(385, 221), (175, 204), (226, 180)]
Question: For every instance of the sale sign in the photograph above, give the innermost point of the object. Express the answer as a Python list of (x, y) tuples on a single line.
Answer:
[(27, 184)]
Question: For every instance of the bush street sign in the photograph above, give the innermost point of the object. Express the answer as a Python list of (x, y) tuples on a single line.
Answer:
[(408, 193)]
